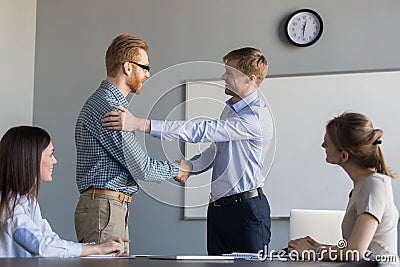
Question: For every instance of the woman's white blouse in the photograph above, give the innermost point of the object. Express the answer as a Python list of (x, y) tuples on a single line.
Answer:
[(27, 234)]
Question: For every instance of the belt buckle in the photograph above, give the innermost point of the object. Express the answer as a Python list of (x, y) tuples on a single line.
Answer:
[(215, 204)]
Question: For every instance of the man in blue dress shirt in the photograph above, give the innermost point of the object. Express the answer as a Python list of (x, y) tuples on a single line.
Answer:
[(106, 178), (238, 218)]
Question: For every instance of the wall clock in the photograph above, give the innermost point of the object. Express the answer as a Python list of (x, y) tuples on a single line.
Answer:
[(304, 27)]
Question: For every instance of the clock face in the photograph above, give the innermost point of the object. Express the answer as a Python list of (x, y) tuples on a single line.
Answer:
[(304, 27)]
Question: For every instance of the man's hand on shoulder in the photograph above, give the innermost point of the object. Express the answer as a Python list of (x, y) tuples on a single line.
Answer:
[(125, 121)]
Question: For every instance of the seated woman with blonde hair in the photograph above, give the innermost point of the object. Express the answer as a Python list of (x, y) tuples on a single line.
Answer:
[(370, 222), (26, 160)]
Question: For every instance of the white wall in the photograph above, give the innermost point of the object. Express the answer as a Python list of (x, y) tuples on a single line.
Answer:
[(17, 53)]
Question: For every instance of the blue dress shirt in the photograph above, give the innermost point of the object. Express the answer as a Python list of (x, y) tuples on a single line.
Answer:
[(240, 142)]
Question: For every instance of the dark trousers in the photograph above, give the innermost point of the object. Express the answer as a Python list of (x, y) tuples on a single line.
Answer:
[(239, 227)]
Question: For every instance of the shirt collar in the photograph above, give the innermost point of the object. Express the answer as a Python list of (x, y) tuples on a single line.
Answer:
[(105, 85), (238, 106)]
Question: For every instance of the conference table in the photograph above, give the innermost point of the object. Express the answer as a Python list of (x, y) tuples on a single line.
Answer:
[(147, 262)]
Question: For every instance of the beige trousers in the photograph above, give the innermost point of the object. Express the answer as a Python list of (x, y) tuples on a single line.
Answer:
[(100, 217)]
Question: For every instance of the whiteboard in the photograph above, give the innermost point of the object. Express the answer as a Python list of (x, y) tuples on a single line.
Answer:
[(297, 175)]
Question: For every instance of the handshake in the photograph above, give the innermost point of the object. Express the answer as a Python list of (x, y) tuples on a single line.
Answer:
[(185, 168)]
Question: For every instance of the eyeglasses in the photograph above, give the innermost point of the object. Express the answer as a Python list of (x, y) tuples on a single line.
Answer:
[(145, 67)]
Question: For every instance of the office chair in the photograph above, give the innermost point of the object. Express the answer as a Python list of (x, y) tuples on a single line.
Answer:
[(322, 225)]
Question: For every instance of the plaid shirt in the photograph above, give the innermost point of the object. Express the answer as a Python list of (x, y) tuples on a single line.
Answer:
[(101, 161)]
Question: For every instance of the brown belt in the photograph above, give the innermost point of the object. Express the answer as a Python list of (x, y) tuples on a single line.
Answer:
[(117, 195)]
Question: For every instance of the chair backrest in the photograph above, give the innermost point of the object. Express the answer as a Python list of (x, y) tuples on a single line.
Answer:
[(322, 225)]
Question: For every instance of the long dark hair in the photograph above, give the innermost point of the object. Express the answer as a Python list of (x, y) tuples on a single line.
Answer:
[(20, 156), (355, 134)]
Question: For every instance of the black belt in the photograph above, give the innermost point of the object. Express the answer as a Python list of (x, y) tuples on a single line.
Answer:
[(237, 198)]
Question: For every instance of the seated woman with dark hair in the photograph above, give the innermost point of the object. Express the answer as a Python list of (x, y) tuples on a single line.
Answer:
[(26, 160)]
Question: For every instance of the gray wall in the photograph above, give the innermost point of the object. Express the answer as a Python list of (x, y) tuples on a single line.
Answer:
[(17, 54), (71, 40)]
